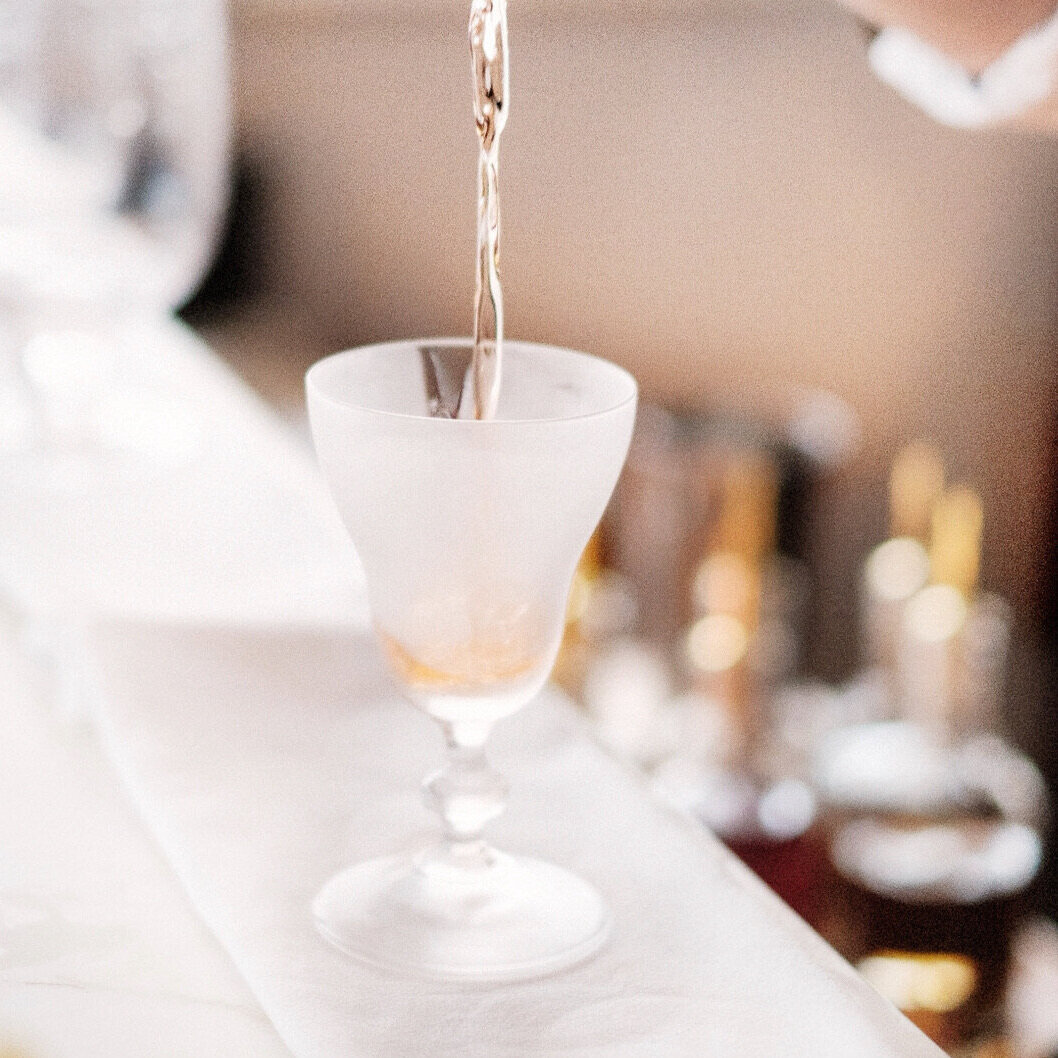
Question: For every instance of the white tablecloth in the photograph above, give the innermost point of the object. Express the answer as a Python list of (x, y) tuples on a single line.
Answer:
[(101, 953), (263, 764)]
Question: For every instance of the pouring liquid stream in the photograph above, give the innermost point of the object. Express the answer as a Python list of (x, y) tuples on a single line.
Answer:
[(488, 59), (454, 392)]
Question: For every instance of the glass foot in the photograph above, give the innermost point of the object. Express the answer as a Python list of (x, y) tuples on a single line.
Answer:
[(501, 918)]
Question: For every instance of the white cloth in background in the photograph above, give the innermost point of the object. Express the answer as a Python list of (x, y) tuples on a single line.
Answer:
[(265, 763), (1023, 77)]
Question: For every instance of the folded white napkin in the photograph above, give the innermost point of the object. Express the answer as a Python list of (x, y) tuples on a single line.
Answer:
[(101, 954), (265, 763)]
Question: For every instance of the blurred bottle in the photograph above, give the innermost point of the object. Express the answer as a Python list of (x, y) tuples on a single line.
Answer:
[(894, 572), (741, 645), (695, 529), (935, 822), (692, 487)]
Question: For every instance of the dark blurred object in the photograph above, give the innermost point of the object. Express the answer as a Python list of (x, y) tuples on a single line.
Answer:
[(933, 930), (932, 893), (935, 841), (239, 272), (1031, 711)]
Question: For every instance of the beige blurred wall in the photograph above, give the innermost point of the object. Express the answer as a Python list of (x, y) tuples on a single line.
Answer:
[(715, 194)]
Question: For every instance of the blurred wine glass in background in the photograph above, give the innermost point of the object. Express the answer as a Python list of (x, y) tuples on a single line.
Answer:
[(114, 132), (114, 123)]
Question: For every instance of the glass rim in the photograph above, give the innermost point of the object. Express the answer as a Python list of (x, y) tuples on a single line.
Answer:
[(315, 390)]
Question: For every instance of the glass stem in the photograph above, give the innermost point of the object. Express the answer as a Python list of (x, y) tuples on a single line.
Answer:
[(467, 794)]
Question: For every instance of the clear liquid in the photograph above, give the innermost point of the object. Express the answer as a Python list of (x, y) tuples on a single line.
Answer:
[(488, 57), (476, 392)]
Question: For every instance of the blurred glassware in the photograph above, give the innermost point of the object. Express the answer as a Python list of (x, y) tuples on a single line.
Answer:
[(938, 644), (929, 658), (935, 836), (723, 764), (900, 567), (986, 640), (956, 525), (114, 129), (893, 573), (659, 506), (934, 822)]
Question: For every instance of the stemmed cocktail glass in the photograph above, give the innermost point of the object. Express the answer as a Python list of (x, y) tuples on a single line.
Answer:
[(469, 532)]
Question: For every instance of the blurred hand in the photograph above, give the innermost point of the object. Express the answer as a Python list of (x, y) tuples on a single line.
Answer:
[(972, 32)]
